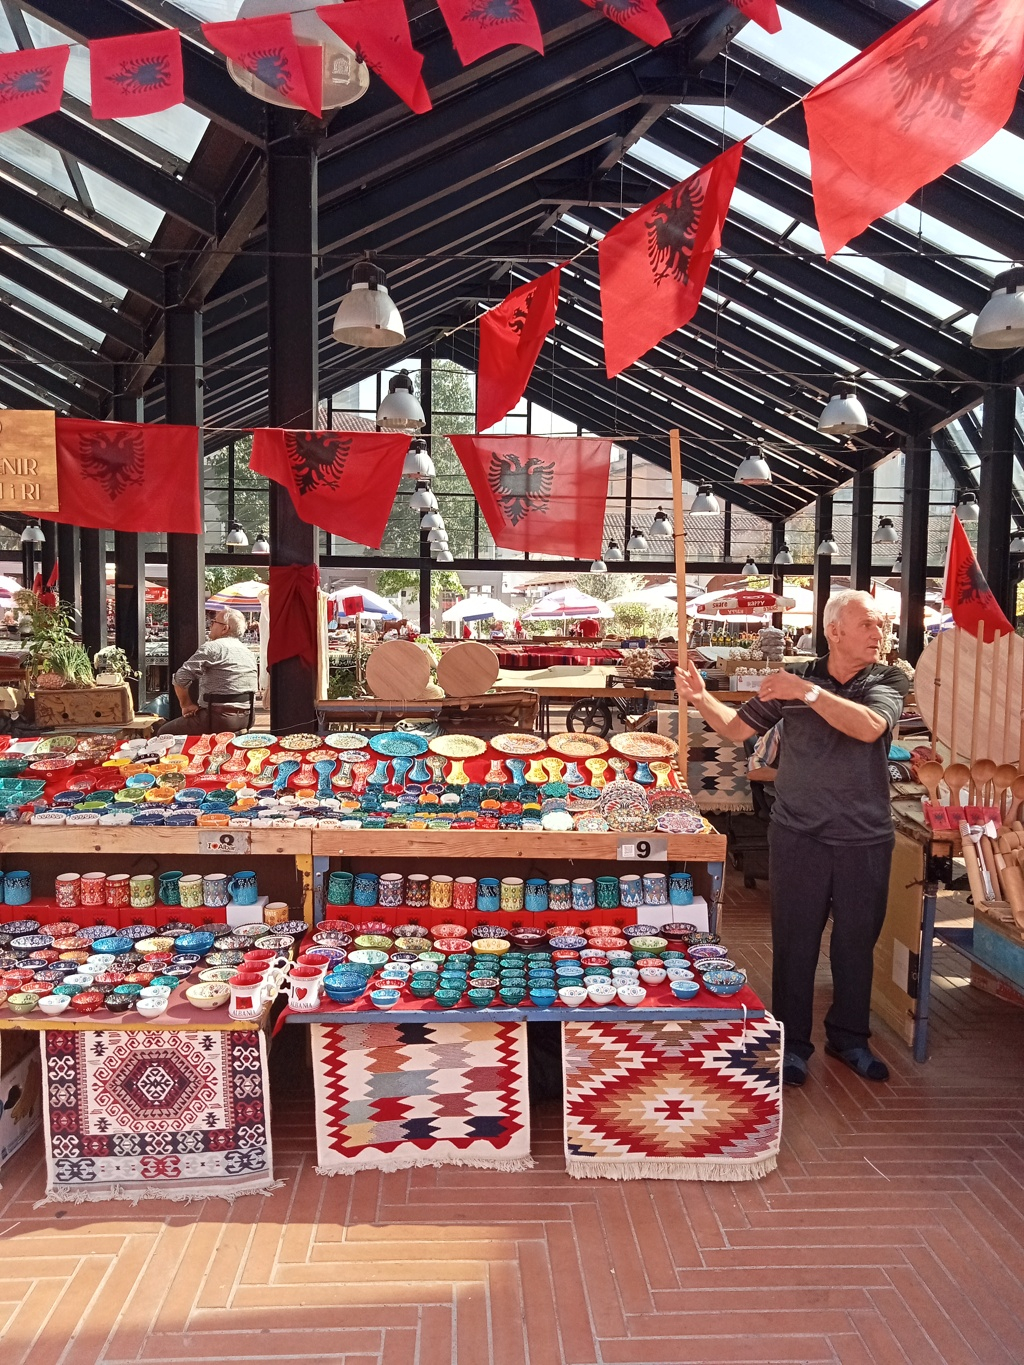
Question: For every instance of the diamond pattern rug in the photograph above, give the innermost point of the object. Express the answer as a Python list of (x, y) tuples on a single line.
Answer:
[(716, 771), (687, 1100), (160, 1113), (391, 1096)]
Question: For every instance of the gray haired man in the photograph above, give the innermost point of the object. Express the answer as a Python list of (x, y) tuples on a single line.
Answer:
[(226, 675)]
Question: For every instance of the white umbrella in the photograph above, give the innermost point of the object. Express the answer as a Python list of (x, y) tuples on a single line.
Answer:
[(736, 604), (480, 608), (370, 604), (247, 596), (663, 595), (9, 586), (567, 603)]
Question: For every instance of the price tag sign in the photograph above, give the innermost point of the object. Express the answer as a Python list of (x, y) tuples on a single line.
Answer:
[(225, 841), (643, 850)]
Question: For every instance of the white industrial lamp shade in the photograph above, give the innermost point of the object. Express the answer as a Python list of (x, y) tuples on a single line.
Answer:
[(843, 414), (1000, 325), (438, 537), (751, 570), (599, 566), (637, 543), (433, 521), (366, 315), (783, 557), (399, 408), (661, 526), (828, 546), (418, 464), (705, 504), (1017, 543), (613, 554), (261, 545), (885, 532), (753, 469), (32, 534), (344, 78), (236, 539), (423, 499), (445, 557), (967, 508)]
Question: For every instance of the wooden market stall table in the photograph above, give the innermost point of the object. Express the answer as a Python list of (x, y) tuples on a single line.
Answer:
[(574, 684)]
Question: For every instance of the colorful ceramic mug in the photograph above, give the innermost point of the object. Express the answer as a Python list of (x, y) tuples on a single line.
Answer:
[(142, 890), (512, 895), (441, 890), (391, 889), (215, 890), (488, 894), (365, 888), (583, 893), (242, 888), (536, 896), (464, 893), (417, 890), (190, 889), (559, 894), (93, 889), (169, 894), (17, 888), (117, 890), (339, 888), (68, 890), (680, 889)]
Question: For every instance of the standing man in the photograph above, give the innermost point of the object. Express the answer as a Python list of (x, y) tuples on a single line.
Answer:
[(831, 836), (227, 676)]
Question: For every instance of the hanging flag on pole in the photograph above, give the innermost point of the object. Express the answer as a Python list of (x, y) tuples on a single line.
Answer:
[(642, 18), (965, 590), (481, 26), (378, 33), (926, 95), (140, 73), (268, 49), (655, 263), (511, 338), (342, 481), (31, 84), (543, 494), (128, 476), (763, 12)]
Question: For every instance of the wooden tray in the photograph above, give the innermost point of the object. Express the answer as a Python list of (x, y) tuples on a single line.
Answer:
[(398, 670), (997, 720), (468, 669)]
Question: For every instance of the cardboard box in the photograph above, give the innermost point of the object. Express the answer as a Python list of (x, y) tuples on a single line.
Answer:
[(21, 1094)]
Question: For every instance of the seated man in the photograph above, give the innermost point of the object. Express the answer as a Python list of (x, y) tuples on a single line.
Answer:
[(226, 674)]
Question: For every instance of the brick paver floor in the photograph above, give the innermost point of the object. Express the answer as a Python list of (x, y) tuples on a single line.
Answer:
[(893, 1230)]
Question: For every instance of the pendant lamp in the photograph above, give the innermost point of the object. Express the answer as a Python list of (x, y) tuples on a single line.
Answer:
[(423, 500), (885, 532), (33, 534), (753, 469), (613, 554), (599, 566), (637, 543), (783, 557), (399, 408), (843, 414), (445, 557), (366, 315), (967, 508), (433, 521), (661, 526), (828, 546), (705, 504), (345, 79), (1017, 543), (751, 570), (1000, 325), (261, 545), (418, 464), (236, 539)]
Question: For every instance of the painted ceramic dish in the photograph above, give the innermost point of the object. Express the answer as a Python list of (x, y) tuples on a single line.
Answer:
[(517, 743), (231, 959), (57, 744), (295, 744), (578, 745), (457, 746), (254, 740), (644, 744), (398, 745), (55, 764)]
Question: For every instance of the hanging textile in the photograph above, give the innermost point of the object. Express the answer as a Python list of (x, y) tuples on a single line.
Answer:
[(293, 614), (140, 73), (511, 338), (542, 494), (965, 590), (31, 84), (642, 18), (268, 49), (763, 12), (481, 26), (378, 33), (654, 264), (926, 95)]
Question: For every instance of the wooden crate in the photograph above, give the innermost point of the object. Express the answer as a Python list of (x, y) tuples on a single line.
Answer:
[(84, 706)]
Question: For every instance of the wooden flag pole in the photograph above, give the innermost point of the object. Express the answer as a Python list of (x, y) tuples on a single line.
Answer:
[(955, 689), (993, 692), (937, 699), (679, 540), (979, 653)]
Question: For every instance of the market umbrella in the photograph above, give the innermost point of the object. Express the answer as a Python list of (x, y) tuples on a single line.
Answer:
[(567, 604), (480, 608), (662, 595), (356, 602), (730, 604), (241, 596)]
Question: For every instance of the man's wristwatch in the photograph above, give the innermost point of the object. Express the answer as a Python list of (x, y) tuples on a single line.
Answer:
[(812, 696)]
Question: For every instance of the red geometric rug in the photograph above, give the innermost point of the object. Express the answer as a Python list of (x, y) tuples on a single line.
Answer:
[(673, 1101), (156, 1113), (392, 1096)]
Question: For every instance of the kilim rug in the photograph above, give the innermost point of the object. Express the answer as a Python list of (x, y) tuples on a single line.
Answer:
[(716, 771), (391, 1096), (156, 1113), (673, 1101)]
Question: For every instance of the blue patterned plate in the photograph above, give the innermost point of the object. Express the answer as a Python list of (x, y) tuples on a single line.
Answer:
[(254, 740), (397, 744)]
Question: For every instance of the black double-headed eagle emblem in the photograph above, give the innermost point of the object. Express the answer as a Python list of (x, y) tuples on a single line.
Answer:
[(115, 459), (672, 231), (519, 486), (317, 458)]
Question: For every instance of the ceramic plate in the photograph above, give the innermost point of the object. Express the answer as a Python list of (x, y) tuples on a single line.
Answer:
[(344, 739), (398, 745), (457, 746), (223, 959), (55, 764), (57, 744), (290, 926), (571, 745), (517, 742), (295, 744), (253, 741), (644, 745)]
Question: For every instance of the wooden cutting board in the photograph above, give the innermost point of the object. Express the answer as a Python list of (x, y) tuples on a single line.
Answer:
[(398, 670), (1000, 696), (468, 669)]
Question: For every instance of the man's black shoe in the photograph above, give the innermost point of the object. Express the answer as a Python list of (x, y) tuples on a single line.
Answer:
[(794, 1069), (862, 1060)]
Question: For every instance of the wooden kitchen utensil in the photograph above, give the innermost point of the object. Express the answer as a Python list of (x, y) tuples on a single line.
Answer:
[(956, 777), (982, 773), (1004, 775), (930, 775)]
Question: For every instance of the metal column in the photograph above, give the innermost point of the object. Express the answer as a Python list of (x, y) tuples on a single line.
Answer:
[(862, 529), (995, 492), (292, 345), (822, 569), (69, 582), (48, 551), (93, 560), (427, 404), (778, 577), (916, 487), (130, 574), (186, 559)]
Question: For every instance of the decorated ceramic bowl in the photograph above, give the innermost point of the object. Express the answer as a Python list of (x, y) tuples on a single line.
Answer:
[(208, 995), (725, 982)]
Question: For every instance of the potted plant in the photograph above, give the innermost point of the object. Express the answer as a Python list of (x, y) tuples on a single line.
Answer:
[(55, 657), (112, 666)]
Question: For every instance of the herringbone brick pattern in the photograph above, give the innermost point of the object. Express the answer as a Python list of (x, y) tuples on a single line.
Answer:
[(893, 1231)]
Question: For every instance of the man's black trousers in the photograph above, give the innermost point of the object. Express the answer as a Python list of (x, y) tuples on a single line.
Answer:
[(810, 880)]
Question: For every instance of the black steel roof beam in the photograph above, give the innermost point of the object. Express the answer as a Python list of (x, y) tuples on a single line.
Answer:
[(60, 393), (50, 289), (52, 347), (208, 87), (951, 457)]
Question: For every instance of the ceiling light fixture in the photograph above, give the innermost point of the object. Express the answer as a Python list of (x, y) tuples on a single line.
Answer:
[(885, 532), (236, 539), (399, 408), (705, 504), (1000, 325), (843, 414), (661, 526), (637, 543), (784, 557), (418, 464), (967, 508), (366, 315), (753, 468), (613, 554)]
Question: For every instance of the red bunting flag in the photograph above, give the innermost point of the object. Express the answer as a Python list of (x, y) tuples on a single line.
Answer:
[(140, 73), (965, 590), (128, 476), (642, 18), (763, 12), (293, 603), (342, 481), (378, 33), (511, 338), (481, 26), (31, 84), (267, 48), (926, 95), (654, 264), (543, 494)]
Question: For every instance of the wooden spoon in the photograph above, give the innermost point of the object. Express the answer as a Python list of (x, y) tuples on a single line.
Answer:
[(1004, 775), (981, 775), (930, 775), (956, 777), (1017, 792)]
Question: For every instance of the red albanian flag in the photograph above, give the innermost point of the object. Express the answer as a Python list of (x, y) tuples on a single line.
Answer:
[(965, 590), (128, 476), (763, 12), (342, 481), (481, 26), (928, 93), (654, 265), (138, 74), (378, 33), (511, 338), (31, 84), (268, 49), (642, 18), (540, 493)]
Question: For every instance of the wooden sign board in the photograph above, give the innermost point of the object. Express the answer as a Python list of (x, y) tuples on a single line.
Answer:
[(28, 462)]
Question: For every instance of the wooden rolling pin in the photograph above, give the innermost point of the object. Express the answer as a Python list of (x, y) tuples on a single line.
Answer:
[(1013, 890)]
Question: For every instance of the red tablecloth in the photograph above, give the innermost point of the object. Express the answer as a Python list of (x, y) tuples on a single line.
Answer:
[(533, 656)]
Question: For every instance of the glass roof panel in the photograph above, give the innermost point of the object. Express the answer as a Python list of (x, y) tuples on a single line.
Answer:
[(44, 310), (67, 263), (39, 160), (121, 206)]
